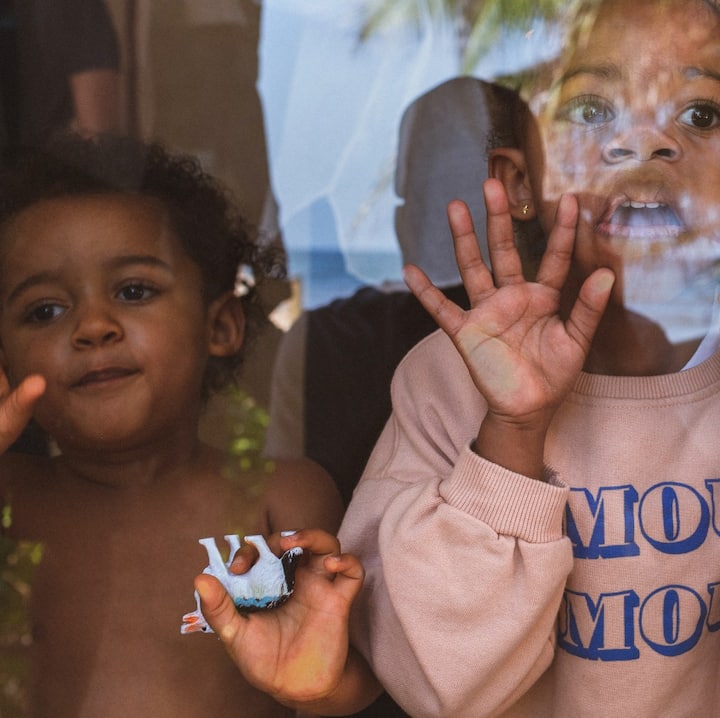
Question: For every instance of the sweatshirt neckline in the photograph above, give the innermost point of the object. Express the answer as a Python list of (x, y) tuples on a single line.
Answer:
[(689, 381)]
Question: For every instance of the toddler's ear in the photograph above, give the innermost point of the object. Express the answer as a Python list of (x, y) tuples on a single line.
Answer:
[(508, 165), (226, 325)]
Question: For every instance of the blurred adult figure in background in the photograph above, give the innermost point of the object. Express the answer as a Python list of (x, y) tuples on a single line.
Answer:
[(60, 70), (331, 383)]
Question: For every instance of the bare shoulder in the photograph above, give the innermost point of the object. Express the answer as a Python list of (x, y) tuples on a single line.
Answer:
[(281, 495), (301, 494)]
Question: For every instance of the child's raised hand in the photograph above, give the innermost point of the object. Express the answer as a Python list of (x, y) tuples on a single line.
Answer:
[(16, 407), (297, 652), (522, 356)]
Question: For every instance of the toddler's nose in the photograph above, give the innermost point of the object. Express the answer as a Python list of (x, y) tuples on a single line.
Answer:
[(96, 327), (641, 143)]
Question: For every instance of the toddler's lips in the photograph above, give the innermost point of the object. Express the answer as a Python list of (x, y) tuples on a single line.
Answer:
[(642, 220), (104, 376)]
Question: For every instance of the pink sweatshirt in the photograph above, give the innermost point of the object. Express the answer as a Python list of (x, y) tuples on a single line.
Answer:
[(594, 594)]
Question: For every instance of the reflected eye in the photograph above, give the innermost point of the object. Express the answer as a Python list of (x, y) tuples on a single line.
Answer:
[(43, 313), (136, 292), (587, 110), (701, 116)]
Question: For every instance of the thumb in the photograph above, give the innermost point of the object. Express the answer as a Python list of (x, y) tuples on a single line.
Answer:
[(17, 409), (589, 307), (218, 609), (29, 391)]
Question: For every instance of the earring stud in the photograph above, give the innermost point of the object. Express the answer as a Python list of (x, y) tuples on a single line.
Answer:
[(525, 209)]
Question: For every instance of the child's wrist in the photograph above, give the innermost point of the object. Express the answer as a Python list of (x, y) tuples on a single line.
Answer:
[(355, 690), (518, 446)]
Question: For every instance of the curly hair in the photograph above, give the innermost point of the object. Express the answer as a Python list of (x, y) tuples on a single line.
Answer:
[(201, 211)]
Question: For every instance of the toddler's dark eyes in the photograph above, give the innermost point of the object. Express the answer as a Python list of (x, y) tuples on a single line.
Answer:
[(44, 313), (587, 110), (136, 293), (701, 116)]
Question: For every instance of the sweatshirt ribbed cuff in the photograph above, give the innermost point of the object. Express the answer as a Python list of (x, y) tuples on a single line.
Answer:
[(511, 504)]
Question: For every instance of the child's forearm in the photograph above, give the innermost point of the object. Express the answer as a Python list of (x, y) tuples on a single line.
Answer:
[(357, 689)]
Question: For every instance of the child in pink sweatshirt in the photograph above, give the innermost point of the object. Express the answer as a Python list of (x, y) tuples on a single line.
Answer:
[(539, 520)]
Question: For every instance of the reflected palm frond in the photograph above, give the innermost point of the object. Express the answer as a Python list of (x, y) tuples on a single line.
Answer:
[(477, 23)]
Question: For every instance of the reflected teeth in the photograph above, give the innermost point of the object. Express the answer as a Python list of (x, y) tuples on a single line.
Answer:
[(642, 205)]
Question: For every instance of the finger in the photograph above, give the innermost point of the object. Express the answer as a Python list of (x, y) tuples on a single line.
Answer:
[(244, 558), (447, 314), (16, 410), (349, 574), (248, 554), (555, 263), (506, 264), (218, 609), (475, 274), (27, 393), (274, 541), (345, 565), (315, 541), (589, 307)]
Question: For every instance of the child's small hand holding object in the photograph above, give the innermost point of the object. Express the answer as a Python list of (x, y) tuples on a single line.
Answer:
[(299, 651), (16, 406), (522, 356)]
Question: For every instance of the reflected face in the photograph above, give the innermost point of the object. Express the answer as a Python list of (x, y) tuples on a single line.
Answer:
[(632, 127), (98, 296)]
